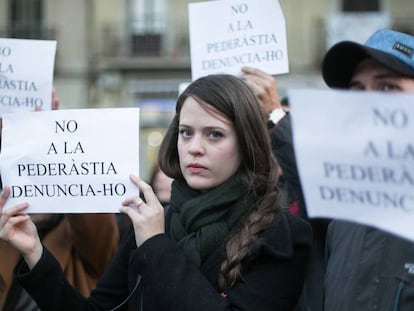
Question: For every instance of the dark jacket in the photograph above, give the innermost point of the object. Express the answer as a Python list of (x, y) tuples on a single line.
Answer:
[(272, 276), (368, 269), (282, 146)]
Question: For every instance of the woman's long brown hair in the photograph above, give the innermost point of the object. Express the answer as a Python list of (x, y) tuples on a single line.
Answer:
[(232, 98)]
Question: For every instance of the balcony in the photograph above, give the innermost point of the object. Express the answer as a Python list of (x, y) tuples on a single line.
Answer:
[(28, 31), (121, 48)]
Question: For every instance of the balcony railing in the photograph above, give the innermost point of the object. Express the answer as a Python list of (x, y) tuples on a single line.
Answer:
[(167, 41), (28, 31)]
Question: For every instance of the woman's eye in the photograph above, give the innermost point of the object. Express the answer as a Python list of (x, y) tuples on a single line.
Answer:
[(215, 135), (185, 132)]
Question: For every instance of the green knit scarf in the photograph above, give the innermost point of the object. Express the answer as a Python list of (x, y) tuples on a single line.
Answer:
[(201, 221)]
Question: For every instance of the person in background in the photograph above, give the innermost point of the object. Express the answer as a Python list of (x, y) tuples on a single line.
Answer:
[(83, 245), (161, 184), (276, 113), (224, 243), (366, 268)]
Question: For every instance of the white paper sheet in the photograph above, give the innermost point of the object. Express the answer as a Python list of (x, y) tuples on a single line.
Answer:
[(70, 161), (355, 155), (26, 74), (229, 34)]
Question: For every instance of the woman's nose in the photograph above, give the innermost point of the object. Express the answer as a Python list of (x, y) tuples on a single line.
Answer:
[(196, 145)]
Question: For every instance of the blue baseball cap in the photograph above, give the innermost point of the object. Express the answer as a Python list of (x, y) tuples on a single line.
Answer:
[(393, 49)]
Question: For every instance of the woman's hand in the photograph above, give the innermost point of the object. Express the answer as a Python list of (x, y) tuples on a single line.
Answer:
[(17, 229), (147, 217)]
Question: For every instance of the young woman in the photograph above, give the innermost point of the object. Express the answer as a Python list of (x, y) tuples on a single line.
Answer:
[(224, 243)]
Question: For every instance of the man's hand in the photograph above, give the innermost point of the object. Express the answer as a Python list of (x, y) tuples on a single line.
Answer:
[(264, 87), (55, 101)]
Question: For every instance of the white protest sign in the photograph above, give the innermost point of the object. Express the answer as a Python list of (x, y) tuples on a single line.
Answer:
[(26, 74), (355, 153), (70, 161), (229, 34)]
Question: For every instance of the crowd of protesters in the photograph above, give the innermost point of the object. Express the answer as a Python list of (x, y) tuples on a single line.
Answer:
[(234, 233)]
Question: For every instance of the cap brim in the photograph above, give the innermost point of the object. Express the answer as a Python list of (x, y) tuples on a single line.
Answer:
[(341, 60)]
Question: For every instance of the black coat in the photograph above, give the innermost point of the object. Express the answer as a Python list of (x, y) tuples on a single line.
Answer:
[(272, 276), (370, 268), (282, 146)]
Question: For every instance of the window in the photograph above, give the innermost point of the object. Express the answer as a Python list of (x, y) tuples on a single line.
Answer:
[(149, 16), (26, 18), (148, 24)]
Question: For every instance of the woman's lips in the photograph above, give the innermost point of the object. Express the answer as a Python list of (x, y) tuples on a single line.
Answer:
[(196, 168)]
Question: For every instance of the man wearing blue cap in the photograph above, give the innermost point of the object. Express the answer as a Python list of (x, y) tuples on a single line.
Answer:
[(367, 269), (385, 50)]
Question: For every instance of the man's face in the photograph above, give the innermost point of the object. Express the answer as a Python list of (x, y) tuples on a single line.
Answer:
[(370, 75)]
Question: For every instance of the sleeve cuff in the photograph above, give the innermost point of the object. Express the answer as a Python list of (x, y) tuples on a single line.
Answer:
[(275, 116), (47, 265)]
